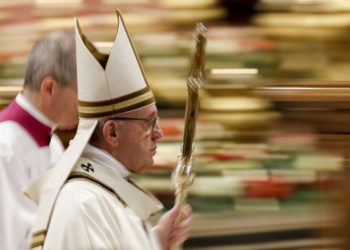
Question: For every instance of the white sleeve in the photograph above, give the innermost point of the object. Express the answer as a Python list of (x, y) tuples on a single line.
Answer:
[(16, 211)]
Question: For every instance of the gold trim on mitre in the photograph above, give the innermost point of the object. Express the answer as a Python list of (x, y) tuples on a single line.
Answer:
[(115, 106), (137, 95)]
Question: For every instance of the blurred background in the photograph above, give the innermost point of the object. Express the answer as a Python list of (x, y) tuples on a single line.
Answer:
[(272, 142)]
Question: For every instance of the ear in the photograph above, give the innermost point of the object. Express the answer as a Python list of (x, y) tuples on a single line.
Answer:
[(110, 133), (48, 86)]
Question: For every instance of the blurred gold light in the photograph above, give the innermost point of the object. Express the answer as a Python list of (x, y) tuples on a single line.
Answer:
[(234, 71)]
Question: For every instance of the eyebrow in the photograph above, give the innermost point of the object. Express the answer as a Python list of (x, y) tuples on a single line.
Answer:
[(155, 113)]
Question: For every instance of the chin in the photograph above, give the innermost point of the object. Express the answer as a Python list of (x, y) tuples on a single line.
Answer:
[(151, 163), (146, 166), (71, 126)]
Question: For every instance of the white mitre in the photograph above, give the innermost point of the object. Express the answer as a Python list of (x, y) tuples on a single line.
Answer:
[(107, 85), (111, 84)]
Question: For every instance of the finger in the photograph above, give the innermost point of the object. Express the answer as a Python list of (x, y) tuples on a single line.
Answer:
[(186, 210), (171, 216), (179, 233), (184, 223), (174, 211), (178, 239), (184, 213)]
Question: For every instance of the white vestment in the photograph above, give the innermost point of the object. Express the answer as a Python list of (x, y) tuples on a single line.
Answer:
[(98, 208), (21, 161)]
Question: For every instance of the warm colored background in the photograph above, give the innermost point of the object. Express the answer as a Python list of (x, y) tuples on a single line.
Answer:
[(271, 153)]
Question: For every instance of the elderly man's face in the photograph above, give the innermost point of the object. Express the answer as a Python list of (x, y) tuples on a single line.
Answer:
[(138, 138)]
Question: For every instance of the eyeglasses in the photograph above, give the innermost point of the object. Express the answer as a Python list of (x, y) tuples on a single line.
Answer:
[(151, 123)]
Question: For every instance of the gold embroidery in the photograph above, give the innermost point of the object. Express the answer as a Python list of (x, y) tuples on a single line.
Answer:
[(85, 177), (38, 239)]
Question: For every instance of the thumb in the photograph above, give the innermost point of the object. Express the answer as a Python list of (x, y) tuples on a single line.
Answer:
[(174, 212)]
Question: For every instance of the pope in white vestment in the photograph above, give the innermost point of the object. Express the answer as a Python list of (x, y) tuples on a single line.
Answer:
[(87, 201), (99, 209)]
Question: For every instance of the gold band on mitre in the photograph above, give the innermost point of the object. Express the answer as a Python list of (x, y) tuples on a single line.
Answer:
[(118, 105)]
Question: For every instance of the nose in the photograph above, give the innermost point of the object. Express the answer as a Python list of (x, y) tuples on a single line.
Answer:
[(157, 133)]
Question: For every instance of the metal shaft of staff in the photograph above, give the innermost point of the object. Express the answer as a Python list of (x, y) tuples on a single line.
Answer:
[(183, 176)]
